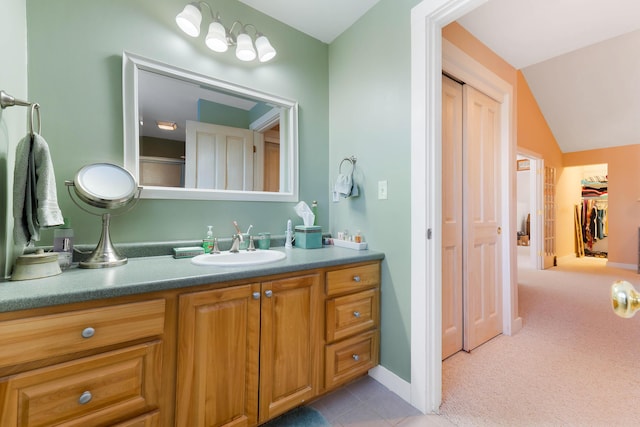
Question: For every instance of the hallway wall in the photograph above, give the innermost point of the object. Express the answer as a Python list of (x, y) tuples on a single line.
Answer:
[(624, 208)]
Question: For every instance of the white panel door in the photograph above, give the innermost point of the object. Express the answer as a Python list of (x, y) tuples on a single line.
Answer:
[(482, 234), (218, 157), (452, 248)]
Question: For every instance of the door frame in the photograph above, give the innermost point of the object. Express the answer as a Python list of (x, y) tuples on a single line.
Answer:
[(427, 20), (536, 178)]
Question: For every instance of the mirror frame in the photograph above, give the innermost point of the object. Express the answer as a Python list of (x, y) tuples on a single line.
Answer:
[(132, 64)]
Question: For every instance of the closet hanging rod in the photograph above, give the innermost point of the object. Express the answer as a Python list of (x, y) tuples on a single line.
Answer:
[(7, 100)]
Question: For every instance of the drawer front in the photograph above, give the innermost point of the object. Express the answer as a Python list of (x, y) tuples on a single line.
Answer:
[(41, 337), (346, 360), (352, 314), (96, 390), (353, 279), (148, 420)]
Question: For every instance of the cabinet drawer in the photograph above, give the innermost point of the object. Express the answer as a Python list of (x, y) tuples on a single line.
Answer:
[(96, 390), (41, 337), (350, 358), (352, 314), (353, 279), (148, 420)]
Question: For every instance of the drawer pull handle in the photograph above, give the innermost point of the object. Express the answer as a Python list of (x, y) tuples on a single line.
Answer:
[(256, 295), (356, 314), (85, 398), (268, 293), (88, 332), (356, 278), (356, 357)]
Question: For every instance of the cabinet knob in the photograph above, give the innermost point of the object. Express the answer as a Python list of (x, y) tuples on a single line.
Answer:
[(356, 278), (268, 293), (256, 295), (85, 398), (356, 314), (355, 357), (88, 332)]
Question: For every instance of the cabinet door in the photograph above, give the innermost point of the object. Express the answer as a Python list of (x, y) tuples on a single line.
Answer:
[(217, 381), (290, 343)]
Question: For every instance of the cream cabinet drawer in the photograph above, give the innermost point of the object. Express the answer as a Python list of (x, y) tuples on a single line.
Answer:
[(353, 279), (352, 314), (96, 390), (41, 337), (345, 360)]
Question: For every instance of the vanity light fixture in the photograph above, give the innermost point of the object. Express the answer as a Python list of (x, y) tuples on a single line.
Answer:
[(167, 125), (219, 38)]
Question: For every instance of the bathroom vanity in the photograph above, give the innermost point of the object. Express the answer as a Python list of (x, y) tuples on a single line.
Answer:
[(163, 342)]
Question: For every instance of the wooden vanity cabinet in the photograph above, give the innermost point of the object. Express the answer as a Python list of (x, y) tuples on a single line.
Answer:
[(116, 377), (352, 322), (226, 335)]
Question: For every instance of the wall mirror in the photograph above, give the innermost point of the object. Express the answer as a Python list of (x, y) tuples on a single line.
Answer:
[(193, 137)]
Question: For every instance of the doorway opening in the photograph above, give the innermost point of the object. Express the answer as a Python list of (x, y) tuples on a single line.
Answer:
[(591, 210)]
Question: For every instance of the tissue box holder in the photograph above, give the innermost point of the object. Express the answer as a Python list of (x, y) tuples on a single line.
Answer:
[(308, 236)]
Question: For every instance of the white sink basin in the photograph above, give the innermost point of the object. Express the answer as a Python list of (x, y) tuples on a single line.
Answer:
[(229, 259)]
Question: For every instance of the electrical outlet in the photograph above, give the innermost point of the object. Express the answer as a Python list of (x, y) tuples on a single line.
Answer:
[(382, 190)]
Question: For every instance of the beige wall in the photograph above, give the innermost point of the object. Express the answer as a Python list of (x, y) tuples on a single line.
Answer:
[(624, 207)]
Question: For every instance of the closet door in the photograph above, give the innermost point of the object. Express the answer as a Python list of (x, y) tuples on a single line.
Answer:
[(451, 217), (482, 233)]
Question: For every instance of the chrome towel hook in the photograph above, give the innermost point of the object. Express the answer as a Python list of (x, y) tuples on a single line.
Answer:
[(7, 100), (35, 107)]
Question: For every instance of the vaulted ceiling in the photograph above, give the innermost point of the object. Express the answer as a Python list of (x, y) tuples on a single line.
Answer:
[(580, 57)]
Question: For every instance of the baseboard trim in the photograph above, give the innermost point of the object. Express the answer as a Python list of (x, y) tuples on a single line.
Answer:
[(391, 381), (623, 266)]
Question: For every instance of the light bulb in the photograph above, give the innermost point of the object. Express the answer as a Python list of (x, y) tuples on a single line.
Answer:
[(216, 38), (266, 52), (189, 20), (245, 50)]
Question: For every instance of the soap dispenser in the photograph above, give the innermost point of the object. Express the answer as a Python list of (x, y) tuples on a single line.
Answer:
[(207, 242)]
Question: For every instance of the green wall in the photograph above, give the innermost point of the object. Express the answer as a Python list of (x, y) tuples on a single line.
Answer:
[(354, 99), (75, 72), (13, 123), (370, 111)]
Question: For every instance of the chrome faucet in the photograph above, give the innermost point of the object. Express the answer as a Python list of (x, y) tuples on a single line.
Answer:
[(235, 243)]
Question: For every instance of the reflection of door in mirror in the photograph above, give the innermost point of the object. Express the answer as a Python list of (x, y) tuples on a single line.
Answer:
[(219, 157), (272, 159)]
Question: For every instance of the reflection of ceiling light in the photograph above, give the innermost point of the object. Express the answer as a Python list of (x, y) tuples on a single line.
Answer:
[(167, 125)]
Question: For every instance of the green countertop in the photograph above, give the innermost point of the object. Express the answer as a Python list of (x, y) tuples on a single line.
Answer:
[(150, 274)]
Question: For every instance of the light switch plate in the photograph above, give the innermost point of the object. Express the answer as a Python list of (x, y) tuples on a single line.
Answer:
[(382, 190)]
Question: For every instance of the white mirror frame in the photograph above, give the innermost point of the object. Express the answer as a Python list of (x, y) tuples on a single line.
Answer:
[(132, 64)]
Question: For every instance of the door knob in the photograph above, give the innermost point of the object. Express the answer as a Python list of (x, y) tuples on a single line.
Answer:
[(624, 299)]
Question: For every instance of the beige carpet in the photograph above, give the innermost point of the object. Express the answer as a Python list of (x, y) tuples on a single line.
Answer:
[(574, 363)]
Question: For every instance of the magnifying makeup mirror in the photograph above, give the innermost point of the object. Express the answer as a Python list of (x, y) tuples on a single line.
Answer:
[(105, 186)]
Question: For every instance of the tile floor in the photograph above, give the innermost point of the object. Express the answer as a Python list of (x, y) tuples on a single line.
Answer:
[(366, 402)]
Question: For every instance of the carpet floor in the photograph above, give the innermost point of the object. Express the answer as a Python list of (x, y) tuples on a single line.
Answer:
[(574, 363)]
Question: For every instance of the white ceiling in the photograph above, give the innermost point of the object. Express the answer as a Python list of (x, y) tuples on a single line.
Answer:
[(321, 19), (580, 57)]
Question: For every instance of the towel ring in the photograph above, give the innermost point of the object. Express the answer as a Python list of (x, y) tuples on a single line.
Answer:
[(35, 106), (351, 160)]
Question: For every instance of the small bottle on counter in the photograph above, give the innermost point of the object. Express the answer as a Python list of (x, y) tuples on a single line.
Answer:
[(314, 210), (207, 242), (358, 237), (63, 244)]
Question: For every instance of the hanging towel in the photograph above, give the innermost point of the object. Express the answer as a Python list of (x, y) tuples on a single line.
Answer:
[(35, 199), (344, 187)]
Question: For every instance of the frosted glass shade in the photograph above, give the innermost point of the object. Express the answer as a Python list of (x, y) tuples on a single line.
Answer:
[(189, 20), (245, 50), (216, 38), (266, 52)]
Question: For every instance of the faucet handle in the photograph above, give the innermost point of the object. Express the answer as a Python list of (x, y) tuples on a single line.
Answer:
[(215, 249), (251, 246)]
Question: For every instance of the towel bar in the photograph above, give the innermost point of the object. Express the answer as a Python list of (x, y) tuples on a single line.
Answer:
[(7, 100)]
